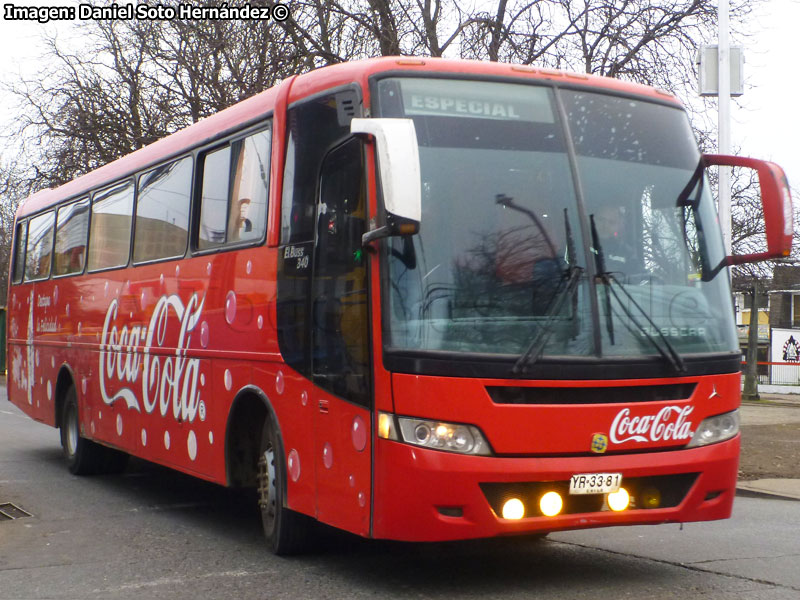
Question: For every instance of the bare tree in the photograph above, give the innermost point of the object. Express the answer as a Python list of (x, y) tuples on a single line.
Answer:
[(133, 82), (652, 43), (136, 81), (11, 191)]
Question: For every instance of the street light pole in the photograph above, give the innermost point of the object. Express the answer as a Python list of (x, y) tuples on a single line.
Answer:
[(724, 123)]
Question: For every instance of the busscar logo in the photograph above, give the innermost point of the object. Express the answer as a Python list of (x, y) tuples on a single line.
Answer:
[(791, 350)]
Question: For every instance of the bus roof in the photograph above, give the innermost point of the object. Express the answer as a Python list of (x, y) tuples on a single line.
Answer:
[(303, 86)]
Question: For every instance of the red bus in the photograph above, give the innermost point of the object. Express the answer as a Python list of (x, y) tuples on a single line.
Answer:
[(414, 299)]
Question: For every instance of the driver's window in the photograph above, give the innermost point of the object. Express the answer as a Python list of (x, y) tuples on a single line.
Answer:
[(340, 313), (667, 233)]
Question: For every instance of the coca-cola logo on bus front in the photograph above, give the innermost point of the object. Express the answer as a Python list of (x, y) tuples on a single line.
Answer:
[(671, 423), (167, 381)]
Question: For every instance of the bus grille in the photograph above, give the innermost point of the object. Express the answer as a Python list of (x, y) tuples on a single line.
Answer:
[(590, 395)]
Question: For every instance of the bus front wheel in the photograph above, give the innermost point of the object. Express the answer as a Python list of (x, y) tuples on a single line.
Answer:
[(286, 531)]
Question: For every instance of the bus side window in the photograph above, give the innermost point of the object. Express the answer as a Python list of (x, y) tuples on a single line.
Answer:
[(72, 230), (20, 241), (39, 252), (110, 229), (340, 314), (162, 211), (214, 198), (234, 197), (247, 216)]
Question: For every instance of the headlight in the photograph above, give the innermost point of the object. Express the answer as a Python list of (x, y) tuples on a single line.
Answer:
[(451, 437), (716, 429)]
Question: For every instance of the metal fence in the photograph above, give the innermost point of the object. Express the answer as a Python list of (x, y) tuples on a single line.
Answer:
[(778, 373)]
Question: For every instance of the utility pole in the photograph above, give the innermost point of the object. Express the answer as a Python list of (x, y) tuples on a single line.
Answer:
[(724, 123), (750, 390), (720, 74)]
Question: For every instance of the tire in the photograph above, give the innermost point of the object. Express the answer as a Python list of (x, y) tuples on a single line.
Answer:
[(286, 531), (112, 461), (85, 457)]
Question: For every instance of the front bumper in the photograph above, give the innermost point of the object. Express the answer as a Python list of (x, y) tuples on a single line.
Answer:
[(428, 495)]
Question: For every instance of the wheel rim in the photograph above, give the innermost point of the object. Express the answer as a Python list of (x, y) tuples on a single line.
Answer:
[(267, 495), (72, 430)]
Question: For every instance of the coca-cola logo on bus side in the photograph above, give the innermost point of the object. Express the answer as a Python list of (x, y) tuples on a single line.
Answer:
[(671, 423), (167, 381)]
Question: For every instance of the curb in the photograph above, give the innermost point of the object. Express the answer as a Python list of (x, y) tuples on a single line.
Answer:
[(780, 489), (771, 403), (746, 493)]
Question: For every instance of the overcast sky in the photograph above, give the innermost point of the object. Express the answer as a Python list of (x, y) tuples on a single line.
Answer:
[(765, 120)]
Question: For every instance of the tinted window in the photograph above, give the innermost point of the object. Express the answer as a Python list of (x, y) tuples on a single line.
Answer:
[(162, 211), (247, 217), (20, 239), (39, 251), (110, 236), (214, 200), (72, 230), (339, 301), (315, 127), (235, 192)]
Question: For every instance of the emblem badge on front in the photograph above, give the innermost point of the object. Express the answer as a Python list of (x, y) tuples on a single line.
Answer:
[(599, 443)]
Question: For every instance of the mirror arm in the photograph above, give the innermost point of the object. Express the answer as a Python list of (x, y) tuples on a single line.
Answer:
[(375, 234), (712, 273), (395, 226)]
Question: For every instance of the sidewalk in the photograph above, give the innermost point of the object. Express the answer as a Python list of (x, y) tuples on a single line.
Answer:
[(771, 408), (778, 399), (788, 489)]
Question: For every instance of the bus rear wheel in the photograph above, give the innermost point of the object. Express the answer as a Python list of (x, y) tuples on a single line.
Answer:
[(85, 457), (286, 531)]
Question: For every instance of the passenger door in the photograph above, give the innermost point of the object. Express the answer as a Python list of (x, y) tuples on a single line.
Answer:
[(340, 348)]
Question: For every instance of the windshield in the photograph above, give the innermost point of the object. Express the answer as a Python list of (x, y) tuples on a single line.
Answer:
[(509, 196)]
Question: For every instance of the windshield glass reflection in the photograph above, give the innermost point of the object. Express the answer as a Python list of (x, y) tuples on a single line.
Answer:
[(488, 270)]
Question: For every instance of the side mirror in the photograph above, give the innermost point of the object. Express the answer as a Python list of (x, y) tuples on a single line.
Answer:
[(399, 172), (776, 201)]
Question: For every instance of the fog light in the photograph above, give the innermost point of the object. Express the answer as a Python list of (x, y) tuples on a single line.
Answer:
[(651, 498), (619, 500), (551, 504), (513, 509)]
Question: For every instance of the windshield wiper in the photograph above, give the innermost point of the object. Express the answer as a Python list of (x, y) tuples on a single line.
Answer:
[(534, 349), (668, 352), (602, 275), (539, 341)]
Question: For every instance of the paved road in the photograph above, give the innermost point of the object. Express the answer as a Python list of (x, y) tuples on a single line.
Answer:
[(152, 533), (770, 414)]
